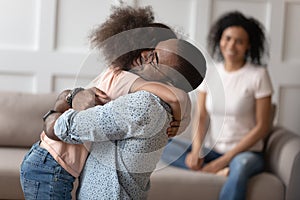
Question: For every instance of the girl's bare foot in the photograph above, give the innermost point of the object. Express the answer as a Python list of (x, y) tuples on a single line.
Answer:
[(223, 172)]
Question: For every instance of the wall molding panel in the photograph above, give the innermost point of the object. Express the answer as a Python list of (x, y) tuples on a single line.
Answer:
[(61, 82), (21, 33), (289, 115), (17, 81), (291, 40)]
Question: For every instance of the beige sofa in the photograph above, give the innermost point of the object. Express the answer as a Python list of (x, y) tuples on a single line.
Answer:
[(21, 123)]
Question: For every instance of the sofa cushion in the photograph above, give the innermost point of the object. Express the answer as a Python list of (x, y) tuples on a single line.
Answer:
[(169, 182), (21, 117)]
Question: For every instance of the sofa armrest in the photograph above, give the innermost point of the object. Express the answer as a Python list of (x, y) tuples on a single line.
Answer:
[(282, 154)]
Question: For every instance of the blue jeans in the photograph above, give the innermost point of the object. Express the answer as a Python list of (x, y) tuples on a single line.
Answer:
[(242, 167), (43, 178)]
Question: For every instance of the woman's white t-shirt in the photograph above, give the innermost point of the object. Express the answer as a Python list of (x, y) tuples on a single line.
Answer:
[(233, 116)]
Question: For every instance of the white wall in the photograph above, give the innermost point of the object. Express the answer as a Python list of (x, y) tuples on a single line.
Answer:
[(43, 43)]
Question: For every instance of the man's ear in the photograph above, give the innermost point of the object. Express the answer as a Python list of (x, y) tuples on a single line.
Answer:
[(146, 58)]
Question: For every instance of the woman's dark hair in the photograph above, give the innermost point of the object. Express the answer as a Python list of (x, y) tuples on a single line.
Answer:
[(126, 33), (256, 32)]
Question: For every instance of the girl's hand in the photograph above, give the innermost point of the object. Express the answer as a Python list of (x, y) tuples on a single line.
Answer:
[(178, 126), (173, 129)]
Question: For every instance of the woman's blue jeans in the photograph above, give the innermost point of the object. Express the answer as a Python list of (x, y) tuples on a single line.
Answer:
[(242, 167), (43, 178)]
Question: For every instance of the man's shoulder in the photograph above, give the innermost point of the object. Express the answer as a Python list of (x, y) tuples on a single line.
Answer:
[(138, 105), (141, 99), (150, 100), (138, 96), (143, 94)]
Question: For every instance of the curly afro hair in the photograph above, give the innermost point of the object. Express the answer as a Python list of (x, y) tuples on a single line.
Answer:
[(256, 32), (126, 33)]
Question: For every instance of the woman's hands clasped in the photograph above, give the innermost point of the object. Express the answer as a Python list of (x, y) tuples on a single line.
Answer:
[(217, 166), (193, 161)]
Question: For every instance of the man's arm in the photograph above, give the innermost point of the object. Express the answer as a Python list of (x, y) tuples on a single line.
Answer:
[(138, 115)]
